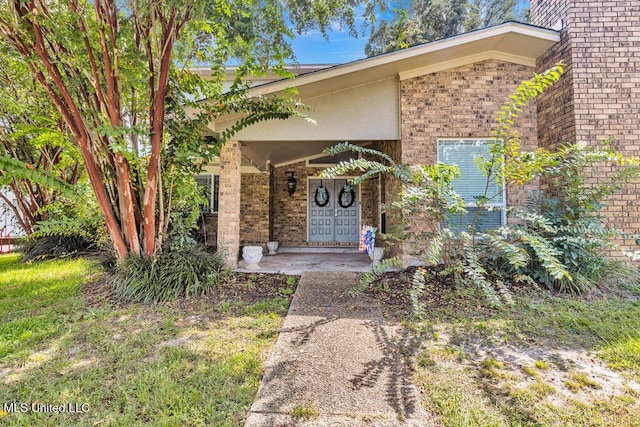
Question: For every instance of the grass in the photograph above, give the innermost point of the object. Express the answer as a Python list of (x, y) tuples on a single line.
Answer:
[(576, 381), (304, 412), (182, 363), (547, 361)]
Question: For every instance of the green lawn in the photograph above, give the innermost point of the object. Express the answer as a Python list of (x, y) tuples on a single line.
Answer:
[(182, 363), (547, 361)]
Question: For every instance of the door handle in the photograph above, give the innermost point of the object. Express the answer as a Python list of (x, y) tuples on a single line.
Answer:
[(335, 213)]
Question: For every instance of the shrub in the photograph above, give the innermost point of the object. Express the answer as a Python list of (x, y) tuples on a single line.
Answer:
[(184, 271), (56, 246), (573, 226), (75, 226), (560, 240)]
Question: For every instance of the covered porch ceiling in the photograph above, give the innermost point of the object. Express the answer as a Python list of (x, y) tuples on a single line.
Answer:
[(258, 155), (282, 153)]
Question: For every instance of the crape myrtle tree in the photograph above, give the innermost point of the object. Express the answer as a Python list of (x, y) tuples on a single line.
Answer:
[(118, 73), (423, 21), (38, 159)]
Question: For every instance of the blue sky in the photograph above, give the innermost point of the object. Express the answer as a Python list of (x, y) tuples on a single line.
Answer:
[(340, 48), (312, 48)]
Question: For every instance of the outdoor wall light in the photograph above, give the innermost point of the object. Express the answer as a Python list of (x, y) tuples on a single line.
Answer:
[(292, 183)]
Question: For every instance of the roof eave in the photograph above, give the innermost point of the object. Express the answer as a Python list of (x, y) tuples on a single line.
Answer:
[(538, 33)]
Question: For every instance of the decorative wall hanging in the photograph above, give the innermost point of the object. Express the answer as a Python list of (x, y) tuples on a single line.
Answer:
[(322, 196), (347, 196)]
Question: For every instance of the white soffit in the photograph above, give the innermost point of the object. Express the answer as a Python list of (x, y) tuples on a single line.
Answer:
[(472, 59)]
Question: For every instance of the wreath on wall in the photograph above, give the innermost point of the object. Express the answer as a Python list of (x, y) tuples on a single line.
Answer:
[(322, 196), (347, 191)]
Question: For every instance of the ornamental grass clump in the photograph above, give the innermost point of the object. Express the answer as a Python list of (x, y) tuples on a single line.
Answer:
[(183, 271)]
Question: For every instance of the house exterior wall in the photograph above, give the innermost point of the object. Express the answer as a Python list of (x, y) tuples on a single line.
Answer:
[(358, 113), (289, 213), (462, 103), (556, 118), (267, 212), (254, 211), (389, 189), (228, 235), (599, 97)]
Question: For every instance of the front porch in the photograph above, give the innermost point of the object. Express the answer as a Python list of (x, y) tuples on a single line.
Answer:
[(299, 260), (255, 206)]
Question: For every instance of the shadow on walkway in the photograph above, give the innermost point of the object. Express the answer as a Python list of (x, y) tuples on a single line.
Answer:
[(336, 355)]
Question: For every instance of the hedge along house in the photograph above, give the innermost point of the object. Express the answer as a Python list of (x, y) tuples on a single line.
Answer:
[(437, 99)]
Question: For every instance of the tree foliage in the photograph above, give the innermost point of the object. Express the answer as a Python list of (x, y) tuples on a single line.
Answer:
[(423, 21), (118, 73), (38, 159)]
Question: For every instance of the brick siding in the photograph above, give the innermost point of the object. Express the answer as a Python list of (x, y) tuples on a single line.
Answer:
[(254, 209), (599, 97), (462, 103), (228, 235)]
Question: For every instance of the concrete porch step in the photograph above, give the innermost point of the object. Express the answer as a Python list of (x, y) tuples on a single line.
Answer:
[(318, 250)]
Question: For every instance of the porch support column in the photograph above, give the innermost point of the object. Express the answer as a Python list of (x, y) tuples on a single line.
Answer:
[(229, 202)]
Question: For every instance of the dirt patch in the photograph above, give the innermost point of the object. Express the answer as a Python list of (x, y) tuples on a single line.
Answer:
[(501, 356)]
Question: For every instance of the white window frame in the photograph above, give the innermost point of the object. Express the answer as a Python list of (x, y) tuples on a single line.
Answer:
[(214, 189), (501, 205)]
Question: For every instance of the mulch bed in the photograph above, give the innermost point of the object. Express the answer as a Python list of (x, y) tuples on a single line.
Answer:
[(250, 288), (241, 288), (393, 291)]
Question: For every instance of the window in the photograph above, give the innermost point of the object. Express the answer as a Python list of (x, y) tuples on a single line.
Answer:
[(472, 182), (210, 185)]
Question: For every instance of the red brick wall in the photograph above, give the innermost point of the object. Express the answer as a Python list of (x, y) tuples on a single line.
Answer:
[(599, 97), (254, 209), (289, 213), (461, 103), (556, 117)]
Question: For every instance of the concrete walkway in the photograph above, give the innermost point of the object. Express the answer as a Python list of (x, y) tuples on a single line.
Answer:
[(336, 355)]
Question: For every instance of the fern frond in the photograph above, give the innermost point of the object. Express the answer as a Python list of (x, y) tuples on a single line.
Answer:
[(369, 167), (504, 292), (434, 251), (523, 278), (535, 219), (547, 255), (418, 283), (476, 273), (371, 276), (11, 167), (345, 146), (516, 255)]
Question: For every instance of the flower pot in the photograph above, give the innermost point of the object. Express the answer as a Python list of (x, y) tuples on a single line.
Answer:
[(376, 255), (252, 256), (273, 247)]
